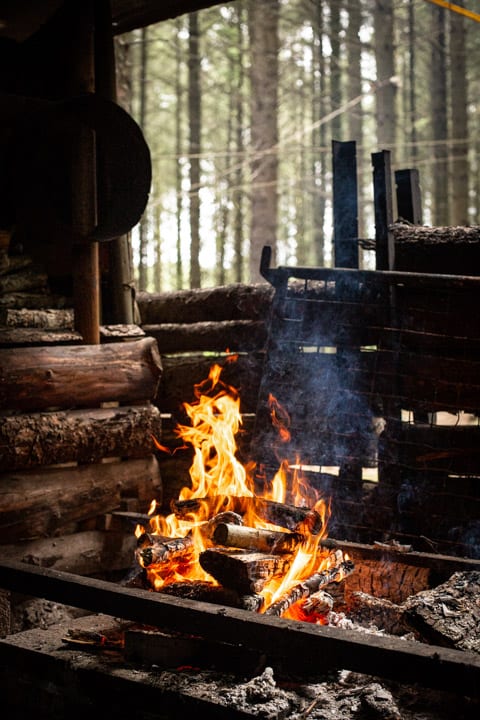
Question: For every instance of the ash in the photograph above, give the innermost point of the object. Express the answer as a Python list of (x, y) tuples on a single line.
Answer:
[(348, 696)]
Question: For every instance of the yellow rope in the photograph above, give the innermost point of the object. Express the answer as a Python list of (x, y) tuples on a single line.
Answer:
[(457, 9)]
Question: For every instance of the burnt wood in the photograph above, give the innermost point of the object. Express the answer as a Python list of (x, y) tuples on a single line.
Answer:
[(312, 648), (83, 436), (448, 615), (247, 573), (35, 379)]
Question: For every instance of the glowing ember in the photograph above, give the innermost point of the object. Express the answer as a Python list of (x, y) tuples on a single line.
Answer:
[(222, 496)]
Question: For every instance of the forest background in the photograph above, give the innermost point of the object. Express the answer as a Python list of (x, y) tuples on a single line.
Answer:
[(240, 103)]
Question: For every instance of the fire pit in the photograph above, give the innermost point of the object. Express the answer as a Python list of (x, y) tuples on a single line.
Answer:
[(225, 540)]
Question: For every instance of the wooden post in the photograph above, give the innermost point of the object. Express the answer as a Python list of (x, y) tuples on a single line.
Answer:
[(383, 202), (409, 201), (119, 308), (345, 204), (85, 264)]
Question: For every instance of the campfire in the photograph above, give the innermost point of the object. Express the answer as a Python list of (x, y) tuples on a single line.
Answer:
[(226, 537)]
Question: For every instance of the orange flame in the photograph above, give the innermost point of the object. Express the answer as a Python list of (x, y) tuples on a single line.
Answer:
[(217, 477)]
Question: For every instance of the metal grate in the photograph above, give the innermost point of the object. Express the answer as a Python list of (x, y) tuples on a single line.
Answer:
[(380, 371)]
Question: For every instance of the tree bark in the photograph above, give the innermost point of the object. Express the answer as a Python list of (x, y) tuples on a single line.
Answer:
[(83, 436), (459, 120)]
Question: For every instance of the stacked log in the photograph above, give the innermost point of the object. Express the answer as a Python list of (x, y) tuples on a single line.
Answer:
[(76, 442), (195, 329)]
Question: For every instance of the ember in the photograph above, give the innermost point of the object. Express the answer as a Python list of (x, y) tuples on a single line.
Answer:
[(266, 547)]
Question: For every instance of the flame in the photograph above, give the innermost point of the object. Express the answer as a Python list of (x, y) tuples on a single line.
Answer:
[(218, 477)]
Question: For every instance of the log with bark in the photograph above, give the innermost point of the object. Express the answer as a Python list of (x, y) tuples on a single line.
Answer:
[(34, 301), (259, 539), (284, 515), (181, 372), (312, 584), (21, 337), (27, 279), (246, 573), (157, 549), (232, 335), (449, 614), (50, 318), (227, 302), (82, 436), (35, 379), (40, 503)]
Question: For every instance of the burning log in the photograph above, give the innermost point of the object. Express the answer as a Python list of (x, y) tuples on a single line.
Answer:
[(155, 549), (259, 539), (246, 573), (281, 514), (310, 586), (319, 602), (245, 335)]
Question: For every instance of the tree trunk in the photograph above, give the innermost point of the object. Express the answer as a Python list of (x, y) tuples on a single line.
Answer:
[(143, 226), (263, 32), (459, 120), (195, 123), (438, 83), (385, 61), (335, 68), (319, 162)]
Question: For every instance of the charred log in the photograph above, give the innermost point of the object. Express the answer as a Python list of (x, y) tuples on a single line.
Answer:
[(236, 335), (155, 549), (246, 573), (449, 614), (311, 585)]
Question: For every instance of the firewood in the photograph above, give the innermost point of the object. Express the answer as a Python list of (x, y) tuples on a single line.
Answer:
[(387, 578), (281, 514), (34, 301), (255, 538), (449, 614), (246, 573), (162, 549), (319, 602), (309, 586)]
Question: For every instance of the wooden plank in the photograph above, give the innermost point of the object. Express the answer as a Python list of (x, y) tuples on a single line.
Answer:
[(35, 379), (383, 204), (311, 647)]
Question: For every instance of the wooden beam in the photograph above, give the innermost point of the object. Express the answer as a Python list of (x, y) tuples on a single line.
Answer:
[(311, 647)]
